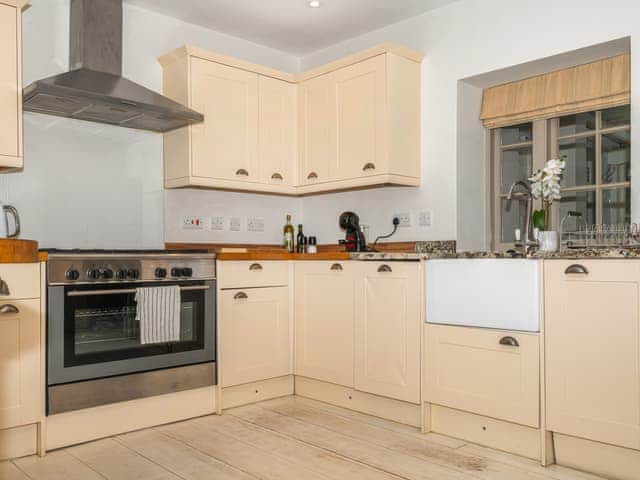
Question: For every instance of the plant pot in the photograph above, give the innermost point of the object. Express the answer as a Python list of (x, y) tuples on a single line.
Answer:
[(548, 241)]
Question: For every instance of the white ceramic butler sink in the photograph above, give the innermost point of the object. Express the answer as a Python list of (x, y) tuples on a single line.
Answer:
[(490, 293)]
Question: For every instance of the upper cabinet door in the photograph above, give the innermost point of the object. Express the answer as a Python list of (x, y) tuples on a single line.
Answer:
[(10, 88), (593, 350), (360, 120), (277, 131), (388, 329), (324, 321), (317, 129), (225, 146)]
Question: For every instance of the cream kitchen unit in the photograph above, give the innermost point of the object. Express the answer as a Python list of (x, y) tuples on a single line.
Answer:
[(349, 124), (11, 84)]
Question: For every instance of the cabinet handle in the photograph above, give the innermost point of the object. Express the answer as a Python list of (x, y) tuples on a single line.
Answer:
[(368, 166), (4, 288), (276, 176), (384, 268), (240, 296), (255, 266), (242, 172), (6, 309), (312, 175), (509, 342), (336, 267), (576, 269)]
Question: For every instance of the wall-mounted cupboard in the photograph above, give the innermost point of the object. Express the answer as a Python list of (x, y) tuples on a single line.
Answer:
[(350, 124), (11, 84)]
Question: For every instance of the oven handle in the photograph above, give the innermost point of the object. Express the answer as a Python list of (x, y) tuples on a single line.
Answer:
[(86, 293)]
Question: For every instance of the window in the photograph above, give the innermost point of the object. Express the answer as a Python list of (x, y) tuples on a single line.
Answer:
[(597, 179)]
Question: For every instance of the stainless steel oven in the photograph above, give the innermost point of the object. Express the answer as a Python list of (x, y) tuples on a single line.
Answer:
[(95, 354)]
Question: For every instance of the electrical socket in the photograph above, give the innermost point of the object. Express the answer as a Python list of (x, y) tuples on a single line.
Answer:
[(425, 218), (192, 222), (255, 224), (405, 219), (235, 225), (217, 223)]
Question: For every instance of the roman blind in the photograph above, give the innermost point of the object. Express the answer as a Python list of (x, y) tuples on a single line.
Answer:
[(605, 83)]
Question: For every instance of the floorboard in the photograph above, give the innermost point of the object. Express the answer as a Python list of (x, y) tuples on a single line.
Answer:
[(290, 438)]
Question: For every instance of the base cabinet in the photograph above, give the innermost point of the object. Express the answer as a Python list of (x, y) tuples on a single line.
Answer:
[(470, 369), (593, 350), (255, 335), (324, 319), (388, 326)]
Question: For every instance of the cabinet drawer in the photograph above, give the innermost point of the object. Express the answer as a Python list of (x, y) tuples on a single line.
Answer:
[(253, 274), (22, 279), (489, 372)]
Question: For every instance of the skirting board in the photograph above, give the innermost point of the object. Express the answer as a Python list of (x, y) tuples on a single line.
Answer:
[(257, 391), (598, 458), (18, 442), (498, 434), (387, 408), (92, 423)]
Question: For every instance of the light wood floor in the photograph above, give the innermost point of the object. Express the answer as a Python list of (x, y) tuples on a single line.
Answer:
[(284, 439)]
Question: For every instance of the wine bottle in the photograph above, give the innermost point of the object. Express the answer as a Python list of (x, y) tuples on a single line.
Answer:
[(288, 235), (300, 240)]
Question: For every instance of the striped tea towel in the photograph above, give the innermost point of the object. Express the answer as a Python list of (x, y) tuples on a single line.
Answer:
[(158, 311)]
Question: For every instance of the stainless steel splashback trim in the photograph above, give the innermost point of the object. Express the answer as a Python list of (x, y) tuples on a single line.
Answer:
[(92, 393)]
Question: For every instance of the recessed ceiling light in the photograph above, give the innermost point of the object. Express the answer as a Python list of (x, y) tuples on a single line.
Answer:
[(314, 3)]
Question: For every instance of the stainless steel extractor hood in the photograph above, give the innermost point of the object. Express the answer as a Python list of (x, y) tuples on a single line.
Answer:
[(94, 88)]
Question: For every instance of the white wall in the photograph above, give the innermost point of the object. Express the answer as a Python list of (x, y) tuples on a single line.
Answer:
[(462, 40), (87, 185)]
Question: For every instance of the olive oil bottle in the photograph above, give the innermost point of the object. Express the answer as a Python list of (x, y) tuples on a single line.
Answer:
[(288, 234)]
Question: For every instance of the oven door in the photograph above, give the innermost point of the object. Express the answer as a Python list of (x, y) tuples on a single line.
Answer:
[(93, 332)]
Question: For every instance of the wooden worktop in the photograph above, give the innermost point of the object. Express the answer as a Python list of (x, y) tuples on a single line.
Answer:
[(14, 250)]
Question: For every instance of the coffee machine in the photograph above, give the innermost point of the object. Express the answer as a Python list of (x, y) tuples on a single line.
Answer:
[(354, 238)]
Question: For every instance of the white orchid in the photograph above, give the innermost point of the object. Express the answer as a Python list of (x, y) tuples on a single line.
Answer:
[(545, 183)]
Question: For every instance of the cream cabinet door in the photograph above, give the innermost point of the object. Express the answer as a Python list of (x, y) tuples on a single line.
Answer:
[(388, 329), (10, 88), (277, 131), (593, 350), (361, 126), (489, 372), (225, 145), (21, 388), (255, 335), (317, 129), (324, 319)]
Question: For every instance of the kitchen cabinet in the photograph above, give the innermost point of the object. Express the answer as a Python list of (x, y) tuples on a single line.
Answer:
[(317, 129), (593, 350), (324, 321), (388, 324), (11, 156), (255, 335), (489, 372), (352, 123)]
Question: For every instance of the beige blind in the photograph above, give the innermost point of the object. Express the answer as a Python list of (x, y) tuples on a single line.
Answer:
[(605, 83)]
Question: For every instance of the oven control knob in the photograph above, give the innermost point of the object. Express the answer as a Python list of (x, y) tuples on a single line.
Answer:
[(161, 272), (93, 273), (187, 272), (177, 272), (133, 273), (72, 274), (106, 273), (121, 274)]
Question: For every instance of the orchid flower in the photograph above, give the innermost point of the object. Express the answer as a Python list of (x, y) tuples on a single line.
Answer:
[(545, 183)]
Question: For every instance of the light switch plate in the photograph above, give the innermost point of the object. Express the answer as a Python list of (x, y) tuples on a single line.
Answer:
[(255, 224), (235, 224), (425, 219), (217, 223)]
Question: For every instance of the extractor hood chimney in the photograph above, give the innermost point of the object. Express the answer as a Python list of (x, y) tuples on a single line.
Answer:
[(94, 88)]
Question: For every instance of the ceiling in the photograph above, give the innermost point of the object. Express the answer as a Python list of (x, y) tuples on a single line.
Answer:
[(291, 25)]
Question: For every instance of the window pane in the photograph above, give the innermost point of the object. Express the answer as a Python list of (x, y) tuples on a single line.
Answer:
[(510, 219), (581, 161), (616, 157), (581, 122), (617, 116), (616, 206), (516, 134), (515, 165), (583, 202)]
